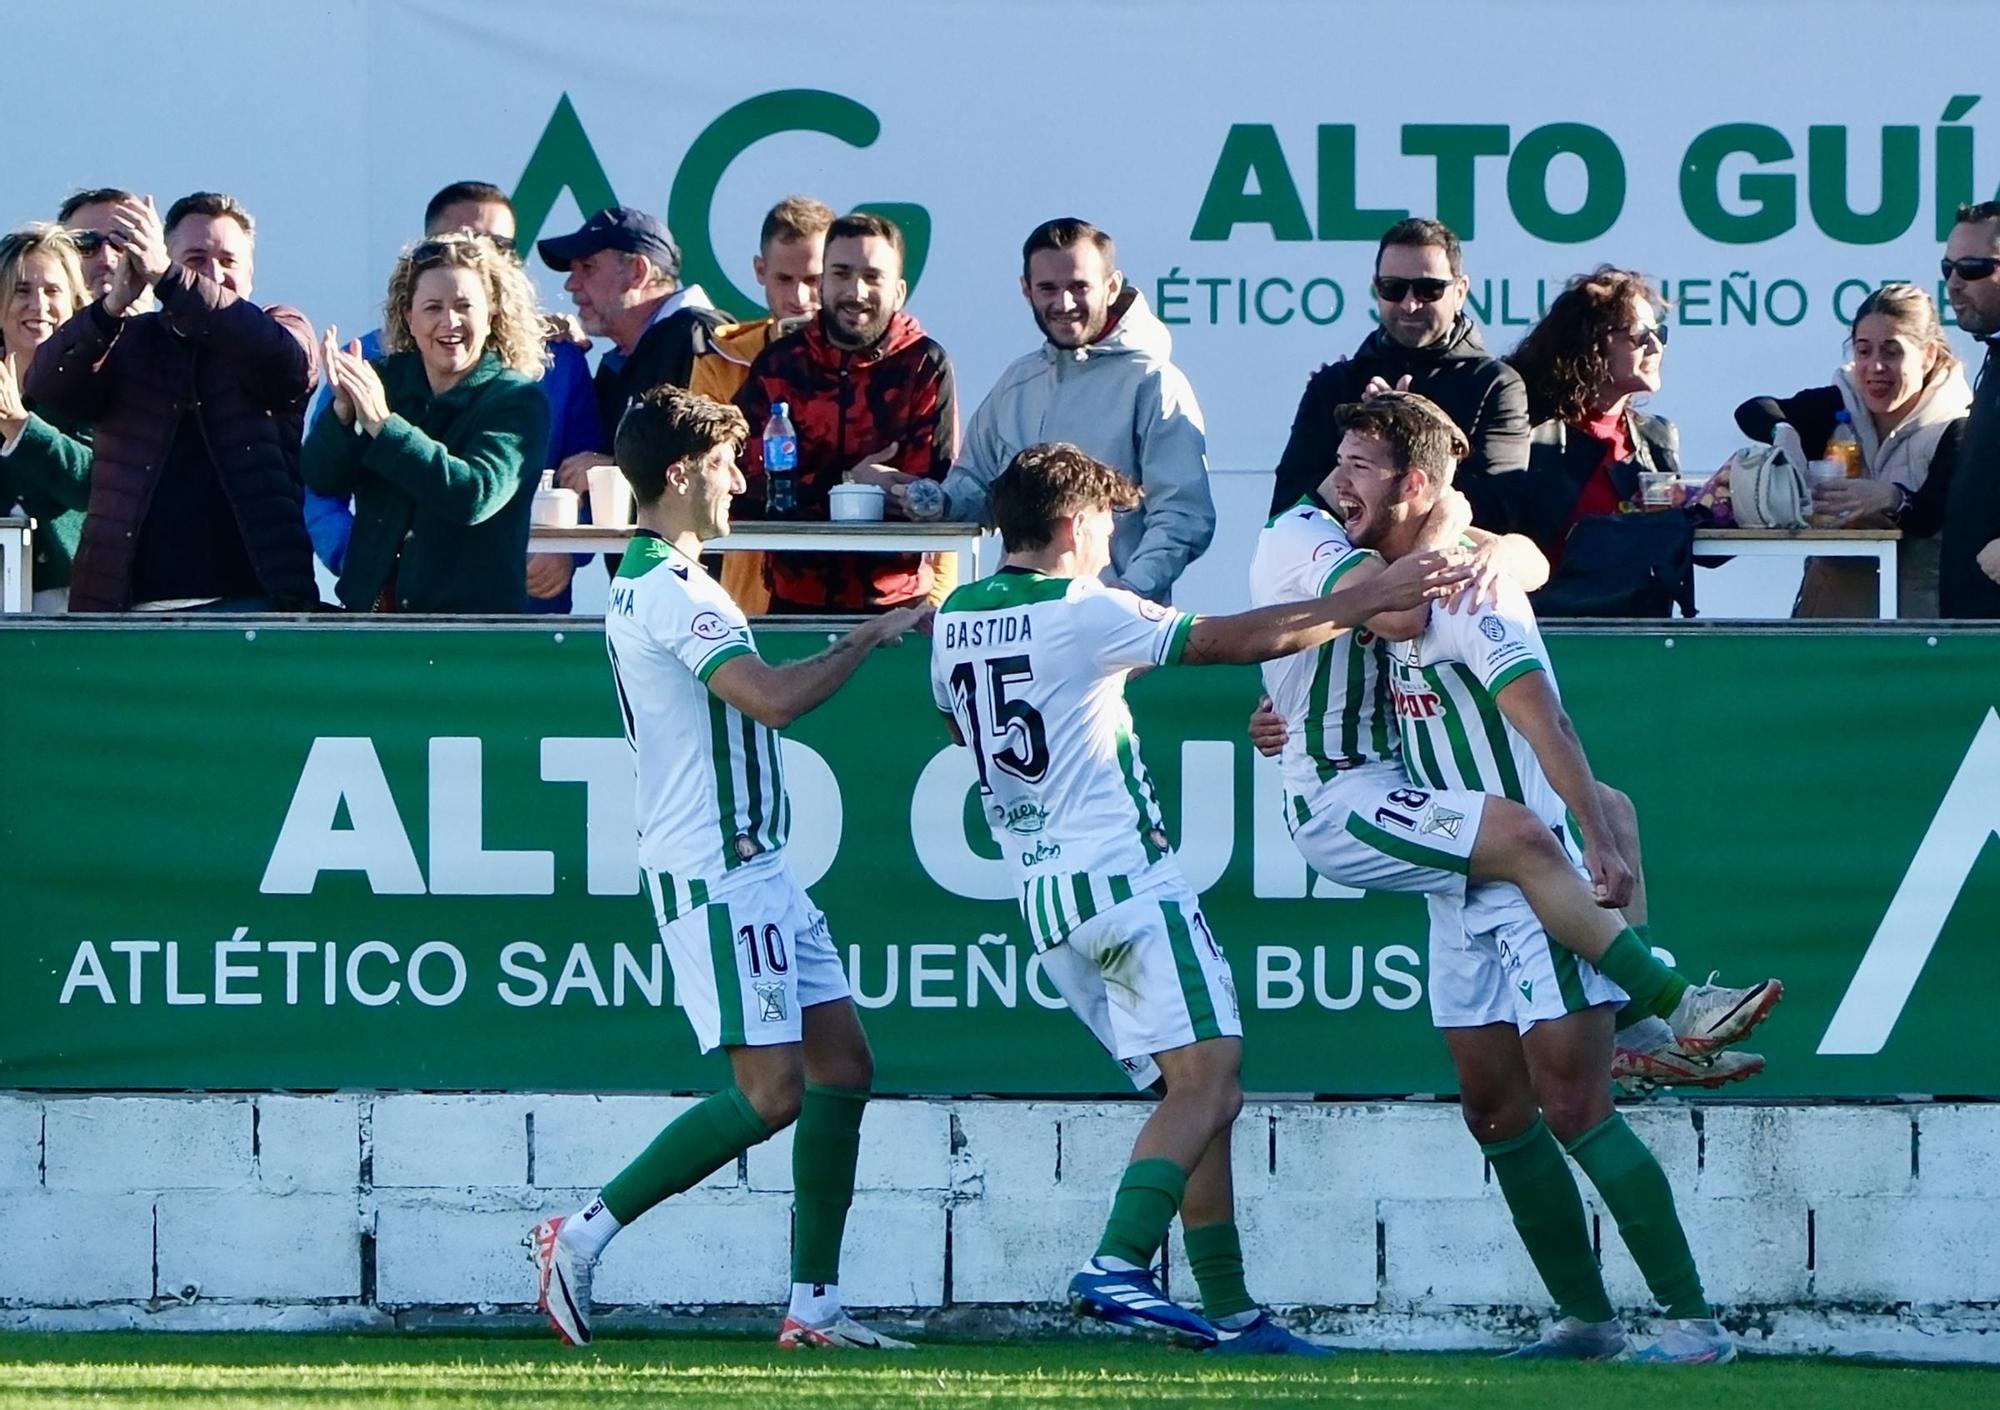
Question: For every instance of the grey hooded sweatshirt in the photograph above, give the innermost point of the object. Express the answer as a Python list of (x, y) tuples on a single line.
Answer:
[(1124, 402)]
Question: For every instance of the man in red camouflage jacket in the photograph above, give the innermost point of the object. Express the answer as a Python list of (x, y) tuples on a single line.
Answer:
[(865, 386)]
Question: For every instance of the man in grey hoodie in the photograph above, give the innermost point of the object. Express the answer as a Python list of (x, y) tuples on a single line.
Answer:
[(1104, 381)]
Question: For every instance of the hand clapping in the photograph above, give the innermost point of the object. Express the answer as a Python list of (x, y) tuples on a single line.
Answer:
[(142, 240), (357, 391)]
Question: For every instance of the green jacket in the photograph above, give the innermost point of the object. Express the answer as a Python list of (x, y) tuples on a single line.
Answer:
[(48, 474), (442, 495)]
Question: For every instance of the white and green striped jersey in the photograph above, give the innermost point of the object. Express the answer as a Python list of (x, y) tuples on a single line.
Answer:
[(711, 787), (1033, 670), (1445, 683), (1334, 698)]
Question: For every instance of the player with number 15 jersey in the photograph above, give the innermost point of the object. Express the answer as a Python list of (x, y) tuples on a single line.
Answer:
[(1031, 666)]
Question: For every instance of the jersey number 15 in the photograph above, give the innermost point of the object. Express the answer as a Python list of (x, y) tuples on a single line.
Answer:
[(1013, 724)]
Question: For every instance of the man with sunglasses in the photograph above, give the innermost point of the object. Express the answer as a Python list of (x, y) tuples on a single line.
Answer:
[(1969, 558), (575, 435), (1426, 344), (87, 215)]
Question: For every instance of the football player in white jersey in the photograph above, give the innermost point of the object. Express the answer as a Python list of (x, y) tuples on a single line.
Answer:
[(1349, 800), (1030, 665), (1528, 1024), (754, 967)]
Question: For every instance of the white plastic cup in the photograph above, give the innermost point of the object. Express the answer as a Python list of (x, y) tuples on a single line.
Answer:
[(553, 506), (855, 503), (610, 497)]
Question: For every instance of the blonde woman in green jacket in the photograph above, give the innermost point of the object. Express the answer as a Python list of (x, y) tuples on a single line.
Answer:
[(441, 441), (44, 458)]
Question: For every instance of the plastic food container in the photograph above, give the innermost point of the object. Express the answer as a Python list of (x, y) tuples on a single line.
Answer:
[(853, 503)]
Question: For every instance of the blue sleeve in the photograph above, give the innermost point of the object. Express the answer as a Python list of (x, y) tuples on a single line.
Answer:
[(329, 524), (573, 425)]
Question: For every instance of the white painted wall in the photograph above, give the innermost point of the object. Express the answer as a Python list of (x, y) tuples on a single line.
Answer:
[(1817, 1227)]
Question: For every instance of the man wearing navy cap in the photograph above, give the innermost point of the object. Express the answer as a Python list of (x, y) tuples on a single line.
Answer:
[(624, 275)]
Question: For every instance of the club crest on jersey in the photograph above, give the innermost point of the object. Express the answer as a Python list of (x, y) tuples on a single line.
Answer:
[(1442, 820), (1024, 819), (1492, 628), (709, 626), (770, 1003)]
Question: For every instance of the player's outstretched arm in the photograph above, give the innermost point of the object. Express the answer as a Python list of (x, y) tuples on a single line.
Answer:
[(777, 695), (1246, 638), (1530, 705)]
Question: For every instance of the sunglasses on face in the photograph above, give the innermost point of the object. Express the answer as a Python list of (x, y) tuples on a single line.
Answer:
[(1391, 289), (88, 242), (1639, 337), (1970, 269)]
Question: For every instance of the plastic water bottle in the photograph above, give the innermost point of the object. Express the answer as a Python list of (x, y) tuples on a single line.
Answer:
[(781, 463), (1844, 447)]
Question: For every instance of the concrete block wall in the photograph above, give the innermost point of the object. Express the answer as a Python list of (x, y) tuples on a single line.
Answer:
[(1381, 1220)]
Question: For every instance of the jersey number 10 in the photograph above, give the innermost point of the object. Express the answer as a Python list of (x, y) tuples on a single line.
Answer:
[(1016, 724)]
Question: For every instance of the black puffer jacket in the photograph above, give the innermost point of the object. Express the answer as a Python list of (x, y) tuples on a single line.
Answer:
[(1481, 393)]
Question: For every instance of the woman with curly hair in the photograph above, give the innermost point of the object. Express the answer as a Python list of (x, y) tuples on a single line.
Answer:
[(1596, 350), (1907, 399), (441, 440), (44, 458)]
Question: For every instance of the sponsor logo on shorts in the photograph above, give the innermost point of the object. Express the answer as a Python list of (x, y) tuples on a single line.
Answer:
[(771, 1003), (709, 626), (1441, 820), (1527, 988), (1492, 628)]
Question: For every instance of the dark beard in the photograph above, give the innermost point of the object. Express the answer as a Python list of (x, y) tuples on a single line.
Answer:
[(1090, 336), (840, 340)]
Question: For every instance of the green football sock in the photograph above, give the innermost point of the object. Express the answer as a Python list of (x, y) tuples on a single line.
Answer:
[(1631, 964), (1633, 1012), (1215, 1253), (825, 1145), (1636, 1192), (1147, 1200), (1548, 1213), (698, 1142)]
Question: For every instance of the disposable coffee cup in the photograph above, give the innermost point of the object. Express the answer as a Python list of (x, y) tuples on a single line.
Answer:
[(610, 497)]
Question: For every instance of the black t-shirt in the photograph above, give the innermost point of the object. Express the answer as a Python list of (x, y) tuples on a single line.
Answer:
[(190, 544)]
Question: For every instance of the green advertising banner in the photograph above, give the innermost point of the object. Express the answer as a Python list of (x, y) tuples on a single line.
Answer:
[(381, 856)]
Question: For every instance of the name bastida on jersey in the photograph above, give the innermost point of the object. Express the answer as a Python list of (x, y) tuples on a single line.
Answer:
[(1033, 670), (1445, 683), (1336, 696), (711, 796)]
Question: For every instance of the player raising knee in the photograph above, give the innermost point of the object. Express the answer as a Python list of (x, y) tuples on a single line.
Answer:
[(1528, 1024), (1349, 791), (1030, 665), (754, 967)]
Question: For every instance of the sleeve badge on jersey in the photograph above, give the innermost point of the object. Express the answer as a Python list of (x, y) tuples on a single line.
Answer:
[(709, 626), (1152, 611), (1492, 628), (1324, 549)]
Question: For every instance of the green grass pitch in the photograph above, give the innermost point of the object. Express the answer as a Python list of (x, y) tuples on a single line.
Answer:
[(226, 1371)]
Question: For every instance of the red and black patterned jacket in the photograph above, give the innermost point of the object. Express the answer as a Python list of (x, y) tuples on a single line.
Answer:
[(846, 405)]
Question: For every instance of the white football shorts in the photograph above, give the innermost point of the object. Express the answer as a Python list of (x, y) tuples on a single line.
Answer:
[(1146, 976), (748, 961)]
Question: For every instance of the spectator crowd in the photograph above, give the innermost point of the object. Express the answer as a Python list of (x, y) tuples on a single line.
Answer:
[(183, 447)]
